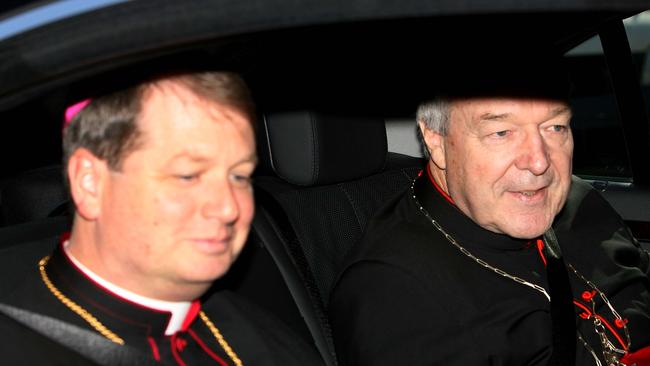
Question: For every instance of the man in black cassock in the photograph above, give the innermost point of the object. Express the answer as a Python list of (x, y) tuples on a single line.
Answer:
[(495, 255), (160, 178)]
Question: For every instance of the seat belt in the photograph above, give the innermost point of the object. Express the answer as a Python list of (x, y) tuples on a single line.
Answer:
[(563, 317), (89, 344)]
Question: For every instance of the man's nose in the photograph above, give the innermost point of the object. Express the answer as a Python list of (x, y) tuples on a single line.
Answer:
[(533, 154), (221, 203)]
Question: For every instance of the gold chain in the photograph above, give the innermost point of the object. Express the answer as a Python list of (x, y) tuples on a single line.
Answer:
[(610, 352), (222, 341), (101, 328), (476, 259), (83, 313)]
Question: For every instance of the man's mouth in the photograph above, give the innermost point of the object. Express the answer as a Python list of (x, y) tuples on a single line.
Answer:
[(213, 244), (530, 195)]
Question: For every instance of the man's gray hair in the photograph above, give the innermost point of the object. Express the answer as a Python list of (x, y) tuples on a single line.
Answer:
[(434, 114)]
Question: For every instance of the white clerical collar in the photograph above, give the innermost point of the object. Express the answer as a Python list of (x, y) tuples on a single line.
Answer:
[(178, 310)]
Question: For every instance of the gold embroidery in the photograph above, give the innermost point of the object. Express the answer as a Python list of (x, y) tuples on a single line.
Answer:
[(83, 313), (222, 341), (98, 326)]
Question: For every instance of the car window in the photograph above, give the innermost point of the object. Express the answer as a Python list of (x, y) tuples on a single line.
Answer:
[(402, 137), (600, 147), (638, 31)]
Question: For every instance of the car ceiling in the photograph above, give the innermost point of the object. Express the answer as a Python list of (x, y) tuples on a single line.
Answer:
[(308, 47), (376, 56)]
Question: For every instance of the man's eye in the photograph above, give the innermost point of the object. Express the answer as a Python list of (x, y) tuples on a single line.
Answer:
[(559, 128), (503, 133), (242, 179), (187, 177)]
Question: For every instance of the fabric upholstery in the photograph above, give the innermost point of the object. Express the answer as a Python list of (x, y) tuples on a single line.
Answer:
[(332, 173), (32, 195), (329, 220)]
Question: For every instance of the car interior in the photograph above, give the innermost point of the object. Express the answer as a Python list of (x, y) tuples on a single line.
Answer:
[(336, 132)]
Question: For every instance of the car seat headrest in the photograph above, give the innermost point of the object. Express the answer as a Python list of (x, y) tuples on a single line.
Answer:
[(32, 195), (308, 148)]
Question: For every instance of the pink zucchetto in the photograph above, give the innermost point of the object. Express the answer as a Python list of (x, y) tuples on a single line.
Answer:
[(73, 110)]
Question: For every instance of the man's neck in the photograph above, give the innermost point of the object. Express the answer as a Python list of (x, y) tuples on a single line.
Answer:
[(178, 309), (89, 249), (439, 180)]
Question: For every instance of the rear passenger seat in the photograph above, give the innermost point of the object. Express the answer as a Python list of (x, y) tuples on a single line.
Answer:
[(321, 177), (333, 173)]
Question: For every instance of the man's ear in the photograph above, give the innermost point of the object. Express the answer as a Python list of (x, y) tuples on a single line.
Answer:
[(435, 145), (86, 174)]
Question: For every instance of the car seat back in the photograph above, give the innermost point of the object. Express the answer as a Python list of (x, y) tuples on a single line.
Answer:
[(333, 173)]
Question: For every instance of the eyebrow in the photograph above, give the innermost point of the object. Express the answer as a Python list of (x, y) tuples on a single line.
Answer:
[(250, 159), (503, 116), (561, 110), (494, 117), (200, 159)]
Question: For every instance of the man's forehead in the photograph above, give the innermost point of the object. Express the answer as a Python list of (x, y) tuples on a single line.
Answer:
[(167, 89), (503, 108), (171, 109), (168, 94)]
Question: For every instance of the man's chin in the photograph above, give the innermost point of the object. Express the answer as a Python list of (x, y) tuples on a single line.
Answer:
[(206, 274), (525, 231)]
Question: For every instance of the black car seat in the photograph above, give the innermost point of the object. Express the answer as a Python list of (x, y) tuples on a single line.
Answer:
[(33, 205), (330, 173), (32, 195)]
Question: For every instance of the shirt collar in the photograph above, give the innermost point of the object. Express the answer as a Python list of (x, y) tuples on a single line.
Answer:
[(178, 310), (441, 208)]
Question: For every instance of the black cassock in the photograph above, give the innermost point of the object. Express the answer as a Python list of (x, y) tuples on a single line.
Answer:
[(255, 336), (408, 296)]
